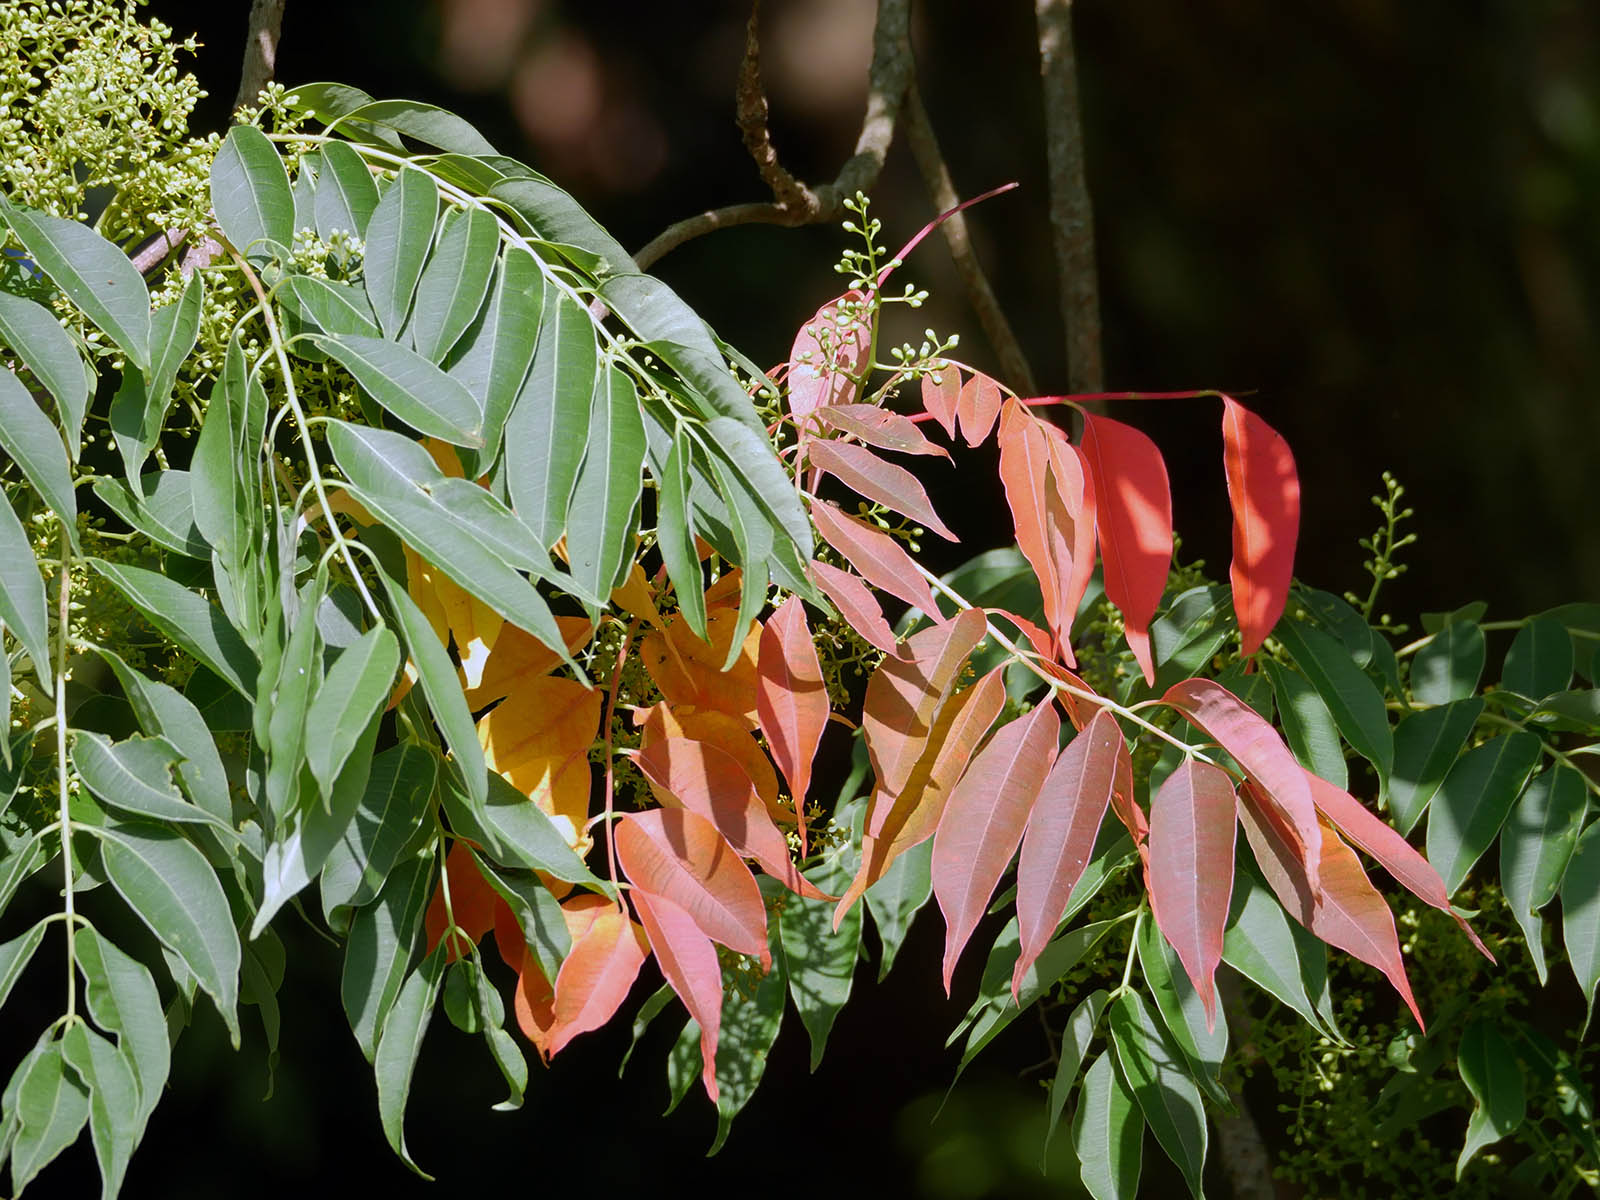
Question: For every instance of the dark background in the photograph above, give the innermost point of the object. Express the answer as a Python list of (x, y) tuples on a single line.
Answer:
[(1377, 219)]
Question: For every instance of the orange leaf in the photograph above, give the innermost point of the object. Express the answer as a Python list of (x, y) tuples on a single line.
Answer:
[(1191, 869), (983, 823), (940, 397), (595, 976), (539, 740), (689, 961), (879, 427), (791, 699), (689, 671), (535, 1004), (1134, 521), (1070, 505), (1126, 805), (518, 656), (1025, 472), (879, 481), (1061, 832), (904, 695), (680, 855), (977, 406), (1264, 490), (856, 605), (878, 556), (828, 352), (472, 901), (727, 734)]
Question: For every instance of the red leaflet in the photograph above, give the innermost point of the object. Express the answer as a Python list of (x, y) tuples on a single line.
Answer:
[(689, 961), (825, 358), (595, 976), (680, 855), (709, 781), (1191, 869), (1261, 752), (856, 605), (472, 902), (1409, 868), (1264, 490), (1070, 505), (1134, 520), (878, 557), (939, 399), (1061, 831), (1025, 472), (1348, 912), (791, 699), (879, 427), (1126, 805), (983, 823), (882, 482), (905, 693), (977, 407)]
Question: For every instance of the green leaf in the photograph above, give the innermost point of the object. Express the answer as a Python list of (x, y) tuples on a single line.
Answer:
[(15, 956), (546, 430), (424, 122), (493, 356), (749, 1027), (135, 777), (895, 900), (50, 353), (398, 236), (326, 307), (409, 386), (1075, 1039), (52, 1106), (1182, 1013), (1188, 635), (648, 1012), (675, 537), (123, 1000), (173, 890), (1540, 659), (95, 275), (516, 832), (757, 467), (353, 691), (1580, 914), (386, 938), (22, 602), (1489, 1068), (1448, 667), (251, 195), (538, 912), (1535, 846), (113, 1101), (137, 414), (1308, 726), (557, 218), (1353, 699), (754, 554), (34, 443), (328, 102), (345, 195), (1108, 1133), (284, 692), (1279, 957), (454, 281), (1426, 746), (818, 961), (390, 824), (23, 860), (165, 513), (398, 1045), (1473, 801), (1166, 1094), (600, 520), (188, 619)]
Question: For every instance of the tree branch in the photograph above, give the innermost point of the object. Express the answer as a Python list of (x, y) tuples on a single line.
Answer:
[(260, 50), (936, 177), (1071, 213)]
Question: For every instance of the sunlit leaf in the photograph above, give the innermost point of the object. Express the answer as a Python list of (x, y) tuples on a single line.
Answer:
[(1449, 666), (22, 600), (398, 1046), (859, 469), (1580, 914), (34, 444), (1540, 659), (596, 975), (1536, 844), (1474, 800), (1264, 491), (856, 605), (941, 392), (1352, 697), (32, 331), (879, 427), (1166, 1094), (1108, 1132), (688, 959), (828, 356), (250, 193), (399, 234), (605, 493), (977, 407), (454, 280), (1426, 746)]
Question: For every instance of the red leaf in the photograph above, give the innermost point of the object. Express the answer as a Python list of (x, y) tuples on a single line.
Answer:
[(709, 781), (472, 901), (905, 693), (813, 382), (1347, 912), (882, 482), (680, 855), (879, 558), (940, 398), (1409, 868), (977, 407), (1126, 805), (1024, 471), (595, 976), (1264, 490), (689, 961), (879, 427), (1134, 520), (1070, 505), (1256, 746), (1191, 869), (1061, 832), (791, 699), (856, 605), (983, 823)]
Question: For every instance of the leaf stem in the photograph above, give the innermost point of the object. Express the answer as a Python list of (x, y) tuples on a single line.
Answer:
[(611, 710), (1561, 756), (69, 912)]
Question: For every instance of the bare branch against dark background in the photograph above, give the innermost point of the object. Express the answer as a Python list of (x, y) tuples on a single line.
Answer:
[(260, 50)]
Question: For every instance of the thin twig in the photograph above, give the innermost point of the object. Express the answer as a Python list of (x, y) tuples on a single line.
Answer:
[(260, 50), (751, 109), (942, 190)]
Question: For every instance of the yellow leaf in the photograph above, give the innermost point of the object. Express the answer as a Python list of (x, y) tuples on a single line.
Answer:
[(473, 624), (636, 598), (688, 670), (539, 740), (727, 734)]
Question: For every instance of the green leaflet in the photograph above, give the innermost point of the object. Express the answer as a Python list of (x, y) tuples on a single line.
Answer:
[(15, 956), (165, 513), (1536, 844), (538, 913), (818, 961), (140, 407), (283, 694), (1108, 1132), (752, 538), (396, 1055), (491, 359), (1540, 660), (1448, 667), (321, 306), (605, 493), (675, 536), (1188, 634), (1075, 1039), (1426, 746), (251, 195), (123, 1000), (22, 602), (409, 386), (386, 937), (749, 1027), (389, 825), (454, 281), (345, 194), (1282, 959), (1488, 1067), (1473, 800), (515, 833), (1580, 914), (135, 777), (557, 218), (188, 619), (34, 443), (113, 1101), (424, 122), (352, 693), (1352, 698), (1308, 726), (1182, 1013), (95, 275), (52, 1106), (1166, 1094), (50, 353), (399, 234)]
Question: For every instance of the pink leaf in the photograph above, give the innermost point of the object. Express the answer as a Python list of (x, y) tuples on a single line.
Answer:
[(1071, 509), (680, 855), (689, 961), (1025, 471), (826, 357), (1191, 869), (878, 557), (983, 823), (1264, 490), (1126, 805), (1256, 746), (939, 399), (791, 699), (977, 407), (1134, 520), (595, 976), (879, 481), (1061, 833), (879, 427), (856, 605)]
